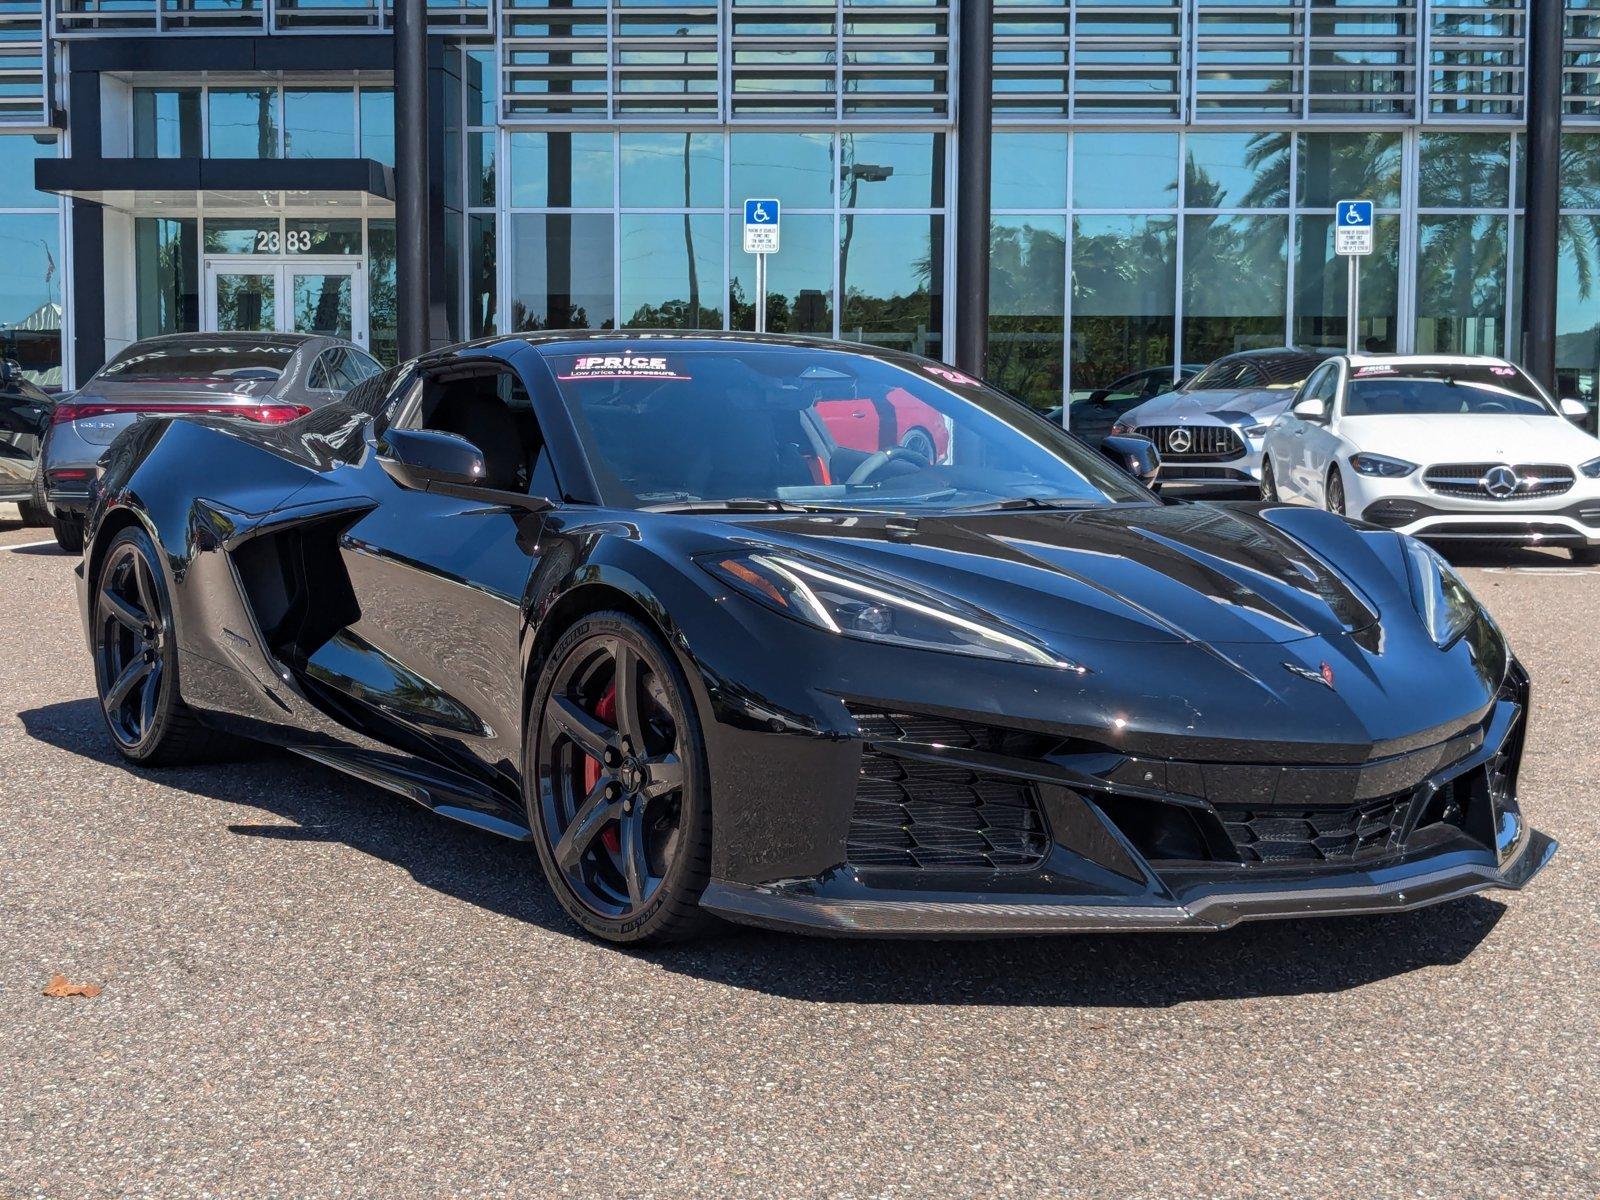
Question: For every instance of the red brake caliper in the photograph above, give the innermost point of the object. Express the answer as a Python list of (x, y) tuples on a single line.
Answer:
[(606, 710)]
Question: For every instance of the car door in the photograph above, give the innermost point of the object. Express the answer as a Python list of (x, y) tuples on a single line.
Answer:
[(1320, 444), (439, 579), (854, 423), (1292, 466)]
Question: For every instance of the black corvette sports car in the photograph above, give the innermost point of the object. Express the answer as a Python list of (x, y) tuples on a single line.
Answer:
[(631, 598)]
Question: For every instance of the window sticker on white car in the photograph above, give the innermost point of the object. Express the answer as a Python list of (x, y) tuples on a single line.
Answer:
[(621, 366), (1363, 372), (1502, 370)]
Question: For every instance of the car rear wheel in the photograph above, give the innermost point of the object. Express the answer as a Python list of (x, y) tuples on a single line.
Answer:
[(616, 789), (69, 533), (32, 514), (136, 660), (1269, 485), (1333, 493)]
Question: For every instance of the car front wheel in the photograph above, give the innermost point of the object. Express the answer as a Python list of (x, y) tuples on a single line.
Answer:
[(616, 784), (1269, 485), (1333, 493)]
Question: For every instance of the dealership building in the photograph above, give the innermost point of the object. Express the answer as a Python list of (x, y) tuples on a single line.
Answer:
[(1161, 174)]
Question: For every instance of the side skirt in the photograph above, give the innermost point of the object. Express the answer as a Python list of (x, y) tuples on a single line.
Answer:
[(443, 792)]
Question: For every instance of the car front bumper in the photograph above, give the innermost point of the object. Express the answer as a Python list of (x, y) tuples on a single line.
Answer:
[(1199, 907), (1134, 843), (1410, 506), (1241, 466)]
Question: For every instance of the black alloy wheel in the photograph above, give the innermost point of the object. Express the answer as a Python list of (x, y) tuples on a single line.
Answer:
[(619, 802), (1334, 492), (135, 659), (1269, 485)]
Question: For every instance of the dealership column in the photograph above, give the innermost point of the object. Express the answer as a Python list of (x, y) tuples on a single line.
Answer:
[(1541, 248), (974, 136), (411, 125)]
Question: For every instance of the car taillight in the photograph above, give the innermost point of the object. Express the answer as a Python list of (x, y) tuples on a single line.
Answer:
[(267, 414)]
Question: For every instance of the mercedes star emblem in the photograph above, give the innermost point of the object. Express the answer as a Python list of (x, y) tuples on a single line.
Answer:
[(1179, 441), (1499, 482)]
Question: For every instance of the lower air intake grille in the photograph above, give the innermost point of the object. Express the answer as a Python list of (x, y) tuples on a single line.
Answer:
[(932, 815), (1314, 834)]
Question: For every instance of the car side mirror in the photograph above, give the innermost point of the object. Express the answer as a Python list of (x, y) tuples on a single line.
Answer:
[(416, 458), (1574, 410), (1311, 410), (1136, 455), (1098, 396), (10, 372)]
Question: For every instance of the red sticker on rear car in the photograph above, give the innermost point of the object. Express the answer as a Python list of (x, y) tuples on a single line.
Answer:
[(621, 366)]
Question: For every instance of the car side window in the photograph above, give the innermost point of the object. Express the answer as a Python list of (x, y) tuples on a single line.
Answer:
[(494, 412), (1322, 384), (359, 367), (324, 375)]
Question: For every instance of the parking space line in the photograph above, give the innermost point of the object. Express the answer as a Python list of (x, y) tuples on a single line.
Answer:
[(30, 545)]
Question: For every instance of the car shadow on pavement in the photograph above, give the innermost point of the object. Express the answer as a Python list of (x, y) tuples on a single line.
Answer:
[(313, 803)]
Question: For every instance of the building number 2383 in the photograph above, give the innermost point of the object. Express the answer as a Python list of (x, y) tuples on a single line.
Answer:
[(296, 241)]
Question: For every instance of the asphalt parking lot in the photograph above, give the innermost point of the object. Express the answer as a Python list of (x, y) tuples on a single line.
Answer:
[(311, 988)]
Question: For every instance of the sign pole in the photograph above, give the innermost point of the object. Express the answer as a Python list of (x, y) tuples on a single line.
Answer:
[(1352, 240), (761, 293), (1352, 314), (761, 238)]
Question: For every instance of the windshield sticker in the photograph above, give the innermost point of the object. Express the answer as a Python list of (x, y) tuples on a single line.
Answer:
[(621, 366), (951, 376), (1363, 372), (1502, 370)]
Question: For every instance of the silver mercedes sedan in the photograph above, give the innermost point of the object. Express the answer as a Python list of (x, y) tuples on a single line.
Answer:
[(269, 378)]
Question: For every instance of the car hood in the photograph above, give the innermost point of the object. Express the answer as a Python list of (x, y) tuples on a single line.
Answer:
[(1178, 573), (1487, 437), (1224, 407)]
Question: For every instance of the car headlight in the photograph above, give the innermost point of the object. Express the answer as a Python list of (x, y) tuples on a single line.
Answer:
[(1382, 465), (1258, 430), (1121, 429), (1446, 606), (842, 601), (1591, 468)]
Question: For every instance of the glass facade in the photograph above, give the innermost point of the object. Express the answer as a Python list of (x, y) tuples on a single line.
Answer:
[(32, 282), (642, 229), (1164, 171), (1178, 246)]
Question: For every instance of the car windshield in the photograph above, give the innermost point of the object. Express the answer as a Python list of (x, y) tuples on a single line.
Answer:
[(1288, 369), (200, 361), (1478, 388), (776, 426)]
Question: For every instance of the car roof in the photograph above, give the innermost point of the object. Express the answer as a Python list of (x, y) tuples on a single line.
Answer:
[(1426, 360), (1282, 364), (229, 339), (556, 340)]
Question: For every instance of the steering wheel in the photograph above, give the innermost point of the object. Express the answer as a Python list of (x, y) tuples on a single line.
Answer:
[(1493, 406), (881, 459)]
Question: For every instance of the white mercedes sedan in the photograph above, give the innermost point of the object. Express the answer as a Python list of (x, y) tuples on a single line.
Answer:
[(1445, 448)]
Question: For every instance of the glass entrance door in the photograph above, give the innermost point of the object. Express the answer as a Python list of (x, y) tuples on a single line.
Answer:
[(255, 294)]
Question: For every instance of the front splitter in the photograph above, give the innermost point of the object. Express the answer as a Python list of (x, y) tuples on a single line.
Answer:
[(1204, 908)]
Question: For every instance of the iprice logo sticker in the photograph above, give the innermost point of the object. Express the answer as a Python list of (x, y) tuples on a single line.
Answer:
[(621, 366)]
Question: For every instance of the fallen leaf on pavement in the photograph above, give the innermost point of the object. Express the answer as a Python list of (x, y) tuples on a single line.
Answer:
[(58, 986)]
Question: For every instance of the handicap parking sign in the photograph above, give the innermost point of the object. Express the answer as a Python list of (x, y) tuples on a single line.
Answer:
[(1352, 230), (761, 221)]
